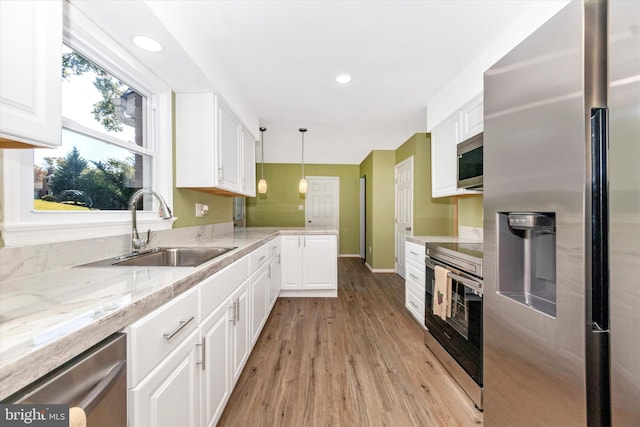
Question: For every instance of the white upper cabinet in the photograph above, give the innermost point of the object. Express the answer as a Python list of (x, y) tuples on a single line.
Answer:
[(249, 163), (445, 137), (214, 152), (30, 73)]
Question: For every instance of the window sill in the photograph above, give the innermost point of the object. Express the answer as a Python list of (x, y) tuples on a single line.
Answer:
[(41, 233)]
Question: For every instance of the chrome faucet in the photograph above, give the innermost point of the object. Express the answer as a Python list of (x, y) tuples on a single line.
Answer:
[(138, 244)]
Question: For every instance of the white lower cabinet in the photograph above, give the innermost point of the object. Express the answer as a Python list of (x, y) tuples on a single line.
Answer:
[(259, 291), (162, 368), (224, 340), (415, 280), (184, 359), (275, 279), (168, 397), (309, 263)]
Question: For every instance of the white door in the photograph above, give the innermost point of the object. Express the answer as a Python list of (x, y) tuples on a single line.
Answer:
[(404, 209), (322, 202)]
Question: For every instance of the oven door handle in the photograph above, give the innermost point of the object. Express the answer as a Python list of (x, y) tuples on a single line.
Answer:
[(468, 283), (473, 284)]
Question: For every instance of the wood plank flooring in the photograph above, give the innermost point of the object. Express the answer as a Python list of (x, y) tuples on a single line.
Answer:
[(355, 360)]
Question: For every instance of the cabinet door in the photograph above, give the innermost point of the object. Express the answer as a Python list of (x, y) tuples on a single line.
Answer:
[(168, 396), (30, 82), (319, 262), (240, 337), (215, 380), (229, 150), (275, 280), (259, 291), (291, 256), (472, 118), (444, 139), (291, 253), (248, 164)]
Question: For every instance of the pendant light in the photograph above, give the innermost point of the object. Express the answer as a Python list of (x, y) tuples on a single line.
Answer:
[(262, 184), (302, 185)]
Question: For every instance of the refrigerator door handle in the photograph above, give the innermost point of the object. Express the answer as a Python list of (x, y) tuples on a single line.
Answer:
[(599, 222)]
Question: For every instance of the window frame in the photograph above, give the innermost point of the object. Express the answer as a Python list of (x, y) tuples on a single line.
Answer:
[(25, 226)]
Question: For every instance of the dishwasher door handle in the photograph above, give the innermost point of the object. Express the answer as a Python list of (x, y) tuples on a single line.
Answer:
[(93, 398)]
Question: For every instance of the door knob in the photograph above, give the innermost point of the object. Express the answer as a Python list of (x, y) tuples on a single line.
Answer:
[(408, 228)]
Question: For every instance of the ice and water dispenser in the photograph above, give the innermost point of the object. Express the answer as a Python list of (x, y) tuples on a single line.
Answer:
[(527, 259)]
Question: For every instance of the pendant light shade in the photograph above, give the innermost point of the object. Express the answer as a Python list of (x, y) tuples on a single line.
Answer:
[(302, 185), (262, 184)]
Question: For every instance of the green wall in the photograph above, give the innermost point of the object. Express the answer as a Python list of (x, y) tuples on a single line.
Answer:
[(279, 206), (470, 211), (431, 217), (378, 170), (184, 201)]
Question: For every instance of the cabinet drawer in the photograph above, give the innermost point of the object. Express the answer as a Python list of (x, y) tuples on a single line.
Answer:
[(273, 247), (258, 258), (152, 338), (414, 252), (415, 274), (415, 305), (214, 290)]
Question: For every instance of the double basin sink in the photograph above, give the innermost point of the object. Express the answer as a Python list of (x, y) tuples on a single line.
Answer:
[(163, 257)]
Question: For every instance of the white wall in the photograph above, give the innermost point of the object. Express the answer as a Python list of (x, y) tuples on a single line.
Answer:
[(469, 82)]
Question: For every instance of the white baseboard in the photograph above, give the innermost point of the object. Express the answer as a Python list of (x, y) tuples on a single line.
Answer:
[(380, 270), (349, 256), (319, 293)]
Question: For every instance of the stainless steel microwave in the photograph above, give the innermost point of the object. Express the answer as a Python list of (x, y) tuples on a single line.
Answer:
[(470, 163)]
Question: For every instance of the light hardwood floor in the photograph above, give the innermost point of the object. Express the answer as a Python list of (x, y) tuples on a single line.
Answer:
[(355, 360)]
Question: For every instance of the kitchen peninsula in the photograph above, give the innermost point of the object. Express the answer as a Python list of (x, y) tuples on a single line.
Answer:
[(50, 316)]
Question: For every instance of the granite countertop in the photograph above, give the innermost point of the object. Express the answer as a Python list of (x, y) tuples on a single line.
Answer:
[(48, 318)]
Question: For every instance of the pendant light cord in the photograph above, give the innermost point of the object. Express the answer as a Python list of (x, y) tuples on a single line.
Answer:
[(262, 148), (302, 131)]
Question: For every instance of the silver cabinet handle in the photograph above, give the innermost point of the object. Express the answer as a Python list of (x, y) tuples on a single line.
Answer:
[(413, 304), (262, 258), (413, 253), (233, 316), (183, 323), (413, 276), (238, 310), (93, 398), (203, 353)]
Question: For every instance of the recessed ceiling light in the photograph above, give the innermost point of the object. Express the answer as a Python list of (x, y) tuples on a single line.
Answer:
[(146, 43), (343, 78)]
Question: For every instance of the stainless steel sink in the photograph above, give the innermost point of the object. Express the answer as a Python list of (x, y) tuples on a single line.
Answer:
[(164, 257)]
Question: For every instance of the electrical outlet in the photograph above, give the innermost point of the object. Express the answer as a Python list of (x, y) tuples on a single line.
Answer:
[(300, 207), (202, 210)]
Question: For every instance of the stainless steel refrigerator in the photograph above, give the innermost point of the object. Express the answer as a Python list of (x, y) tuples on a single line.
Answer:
[(562, 222)]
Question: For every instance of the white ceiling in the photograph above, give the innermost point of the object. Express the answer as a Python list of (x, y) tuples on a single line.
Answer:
[(281, 59)]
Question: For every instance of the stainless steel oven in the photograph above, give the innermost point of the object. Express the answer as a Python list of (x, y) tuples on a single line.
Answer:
[(457, 340)]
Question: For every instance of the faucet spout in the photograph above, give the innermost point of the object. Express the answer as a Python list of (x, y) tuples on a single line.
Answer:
[(138, 244)]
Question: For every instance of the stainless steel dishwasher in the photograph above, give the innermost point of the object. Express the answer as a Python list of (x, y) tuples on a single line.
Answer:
[(95, 381)]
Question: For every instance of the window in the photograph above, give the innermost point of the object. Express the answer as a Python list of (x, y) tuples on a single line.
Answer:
[(103, 158), (116, 138)]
